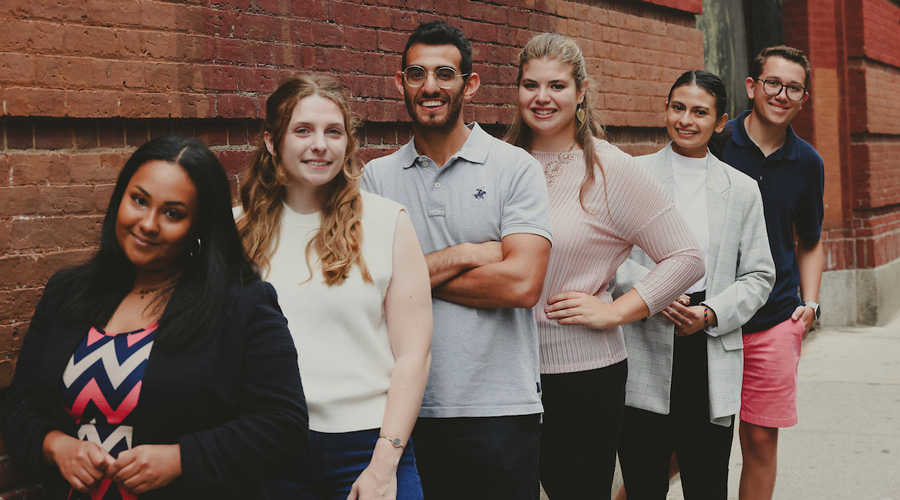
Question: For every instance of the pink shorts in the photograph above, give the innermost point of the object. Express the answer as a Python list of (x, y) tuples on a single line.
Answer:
[(769, 392)]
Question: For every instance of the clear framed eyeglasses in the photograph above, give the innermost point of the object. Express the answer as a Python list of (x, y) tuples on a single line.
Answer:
[(444, 76)]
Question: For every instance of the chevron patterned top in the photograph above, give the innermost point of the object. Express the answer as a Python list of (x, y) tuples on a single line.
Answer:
[(100, 388)]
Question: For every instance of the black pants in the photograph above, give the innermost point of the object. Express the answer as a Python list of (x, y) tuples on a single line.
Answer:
[(702, 448), (582, 419), (491, 458)]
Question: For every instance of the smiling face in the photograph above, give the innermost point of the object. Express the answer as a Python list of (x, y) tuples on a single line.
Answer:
[(776, 110), (428, 105), (548, 98), (313, 150), (691, 120), (156, 216)]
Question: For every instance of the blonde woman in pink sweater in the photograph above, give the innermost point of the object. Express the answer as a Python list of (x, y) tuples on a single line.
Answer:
[(602, 203)]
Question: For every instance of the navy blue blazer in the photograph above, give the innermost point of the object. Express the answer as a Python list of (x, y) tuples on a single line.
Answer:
[(235, 404)]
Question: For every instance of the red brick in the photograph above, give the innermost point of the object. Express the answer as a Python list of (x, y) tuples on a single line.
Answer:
[(69, 232), (89, 40), (19, 35), (392, 42), (326, 34), (34, 102), (448, 9), (494, 14), (114, 12), (136, 133), (168, 16), (237, 106), (427, 5), (54, 135), (360, 38), (4, 170), (111, 134), (235, 51), (86, 135), (212, 133), (311, 9), (19, 134), (235, 160), (159, 128), (518, 17), (238, 134), (267, 6), (257, 27), (343, 13), (36, 269), (92, 104), (70, 11), (145, 105)]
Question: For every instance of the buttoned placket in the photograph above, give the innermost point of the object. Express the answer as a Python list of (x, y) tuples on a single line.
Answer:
[(436, 198)]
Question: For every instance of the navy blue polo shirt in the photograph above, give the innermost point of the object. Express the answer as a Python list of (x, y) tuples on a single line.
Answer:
[(792, 183)]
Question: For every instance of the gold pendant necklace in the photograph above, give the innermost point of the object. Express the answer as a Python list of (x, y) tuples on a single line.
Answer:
[(147, 291), (551, 169)]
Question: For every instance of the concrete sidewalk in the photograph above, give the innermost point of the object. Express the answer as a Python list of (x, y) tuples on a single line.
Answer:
[(847, 444)]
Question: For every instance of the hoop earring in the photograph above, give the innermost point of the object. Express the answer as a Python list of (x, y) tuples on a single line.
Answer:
[(196, 253), (579, 114)]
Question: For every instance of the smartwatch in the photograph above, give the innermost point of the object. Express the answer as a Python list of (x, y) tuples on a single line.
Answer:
[(817, 310)]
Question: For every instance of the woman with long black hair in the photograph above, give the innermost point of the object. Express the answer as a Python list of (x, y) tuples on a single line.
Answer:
[(163, 367)]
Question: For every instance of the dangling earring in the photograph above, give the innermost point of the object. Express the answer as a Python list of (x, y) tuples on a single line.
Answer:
[(579, 114), (196, 253)]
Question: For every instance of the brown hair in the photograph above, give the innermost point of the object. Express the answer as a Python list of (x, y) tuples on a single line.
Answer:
[(785, 52), (262, 189), (566, 51)]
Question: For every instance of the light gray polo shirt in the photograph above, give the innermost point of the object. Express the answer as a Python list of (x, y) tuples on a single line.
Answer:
[(485, 362)]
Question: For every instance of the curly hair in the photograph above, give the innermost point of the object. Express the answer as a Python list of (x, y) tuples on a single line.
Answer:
[(338, 241)]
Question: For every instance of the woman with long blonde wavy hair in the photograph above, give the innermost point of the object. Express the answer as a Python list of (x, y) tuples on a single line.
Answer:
[(352, 281)]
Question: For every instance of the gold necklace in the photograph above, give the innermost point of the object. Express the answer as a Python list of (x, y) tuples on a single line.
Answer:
[(551, 169), (147, 291)]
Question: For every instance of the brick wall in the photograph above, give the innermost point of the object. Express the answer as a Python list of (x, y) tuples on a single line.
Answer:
[(874, 62), (851, 119), (84, 82)]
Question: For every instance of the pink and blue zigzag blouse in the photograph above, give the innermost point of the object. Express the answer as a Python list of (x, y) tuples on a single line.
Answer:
[(100, 389)]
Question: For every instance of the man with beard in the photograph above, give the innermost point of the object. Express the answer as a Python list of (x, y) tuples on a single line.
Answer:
[(480, 208)]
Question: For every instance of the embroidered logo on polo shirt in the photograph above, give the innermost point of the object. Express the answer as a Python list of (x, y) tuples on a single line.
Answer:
[(479, 193)]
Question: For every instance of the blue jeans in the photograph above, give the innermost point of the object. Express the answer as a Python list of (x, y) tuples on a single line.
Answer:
[(337, 460)]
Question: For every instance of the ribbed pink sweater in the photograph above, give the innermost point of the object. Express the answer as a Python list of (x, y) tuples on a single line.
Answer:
[(587, 250)]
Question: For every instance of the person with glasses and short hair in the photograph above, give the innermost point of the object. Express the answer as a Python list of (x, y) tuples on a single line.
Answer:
[(791, 178), (480, 209)]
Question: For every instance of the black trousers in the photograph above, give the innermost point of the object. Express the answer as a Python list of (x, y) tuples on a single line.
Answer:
[(702, 448), (582, 419), (491, 458)]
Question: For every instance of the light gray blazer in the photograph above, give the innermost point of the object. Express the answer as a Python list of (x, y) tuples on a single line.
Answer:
[(739, 276)]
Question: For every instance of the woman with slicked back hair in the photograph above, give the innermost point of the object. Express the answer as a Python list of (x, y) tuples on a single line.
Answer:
[(685, 363), (353, 284), (602, 203)]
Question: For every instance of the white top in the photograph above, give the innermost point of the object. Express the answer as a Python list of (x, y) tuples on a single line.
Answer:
[(342, 340), (690, 200)]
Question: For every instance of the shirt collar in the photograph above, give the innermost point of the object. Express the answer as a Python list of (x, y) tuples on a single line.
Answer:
[(474, 150), (790, 150)]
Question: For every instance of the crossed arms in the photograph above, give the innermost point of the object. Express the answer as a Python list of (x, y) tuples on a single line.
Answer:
[(494, 274)]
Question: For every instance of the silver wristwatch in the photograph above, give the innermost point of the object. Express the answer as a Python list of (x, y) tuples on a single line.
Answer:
[(817, 310)]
